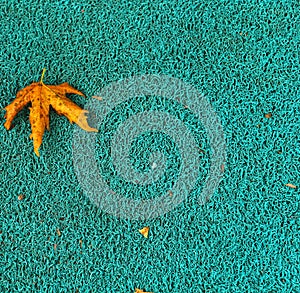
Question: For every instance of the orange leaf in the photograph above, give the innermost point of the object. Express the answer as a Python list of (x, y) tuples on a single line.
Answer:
[(43, 96)]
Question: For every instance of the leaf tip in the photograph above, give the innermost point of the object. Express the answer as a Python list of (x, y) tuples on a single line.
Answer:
[(6, 125), (37, 152)]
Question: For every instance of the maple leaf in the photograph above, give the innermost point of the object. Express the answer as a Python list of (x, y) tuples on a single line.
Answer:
[(43, 96)]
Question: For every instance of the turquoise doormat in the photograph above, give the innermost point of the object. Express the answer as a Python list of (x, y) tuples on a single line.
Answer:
[(243, 58)]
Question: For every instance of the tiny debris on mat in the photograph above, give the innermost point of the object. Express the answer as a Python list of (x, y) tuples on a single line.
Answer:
[(201, 151), (41, 97), (98, 98), (144, 231), (268, 115), (21, 197), (140, 291), (291, 185), (222, 167), (58, 232), (170, 193), (80, 243), (54, 246)]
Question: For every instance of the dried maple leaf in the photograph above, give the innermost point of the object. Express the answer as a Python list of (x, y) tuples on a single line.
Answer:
[(43, 96)]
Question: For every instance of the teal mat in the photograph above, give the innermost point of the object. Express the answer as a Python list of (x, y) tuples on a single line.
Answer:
[(243, 56)]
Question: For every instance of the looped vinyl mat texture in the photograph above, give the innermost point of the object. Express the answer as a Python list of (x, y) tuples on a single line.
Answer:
[(153, 146), (243, 57)]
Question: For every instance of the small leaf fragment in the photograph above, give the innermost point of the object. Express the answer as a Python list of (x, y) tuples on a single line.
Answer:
[(140, 291), (291, 185), (268, 115), (21, 197), (222, 168), (58, 232), (98, 98), (144, 231)]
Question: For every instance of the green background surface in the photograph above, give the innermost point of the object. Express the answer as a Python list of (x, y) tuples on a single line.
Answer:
[(244, 57)]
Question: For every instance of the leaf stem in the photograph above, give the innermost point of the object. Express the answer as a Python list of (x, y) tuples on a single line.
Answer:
[(42, 77)]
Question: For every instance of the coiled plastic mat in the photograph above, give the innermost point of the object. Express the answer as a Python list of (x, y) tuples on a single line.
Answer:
[(243, 57)]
